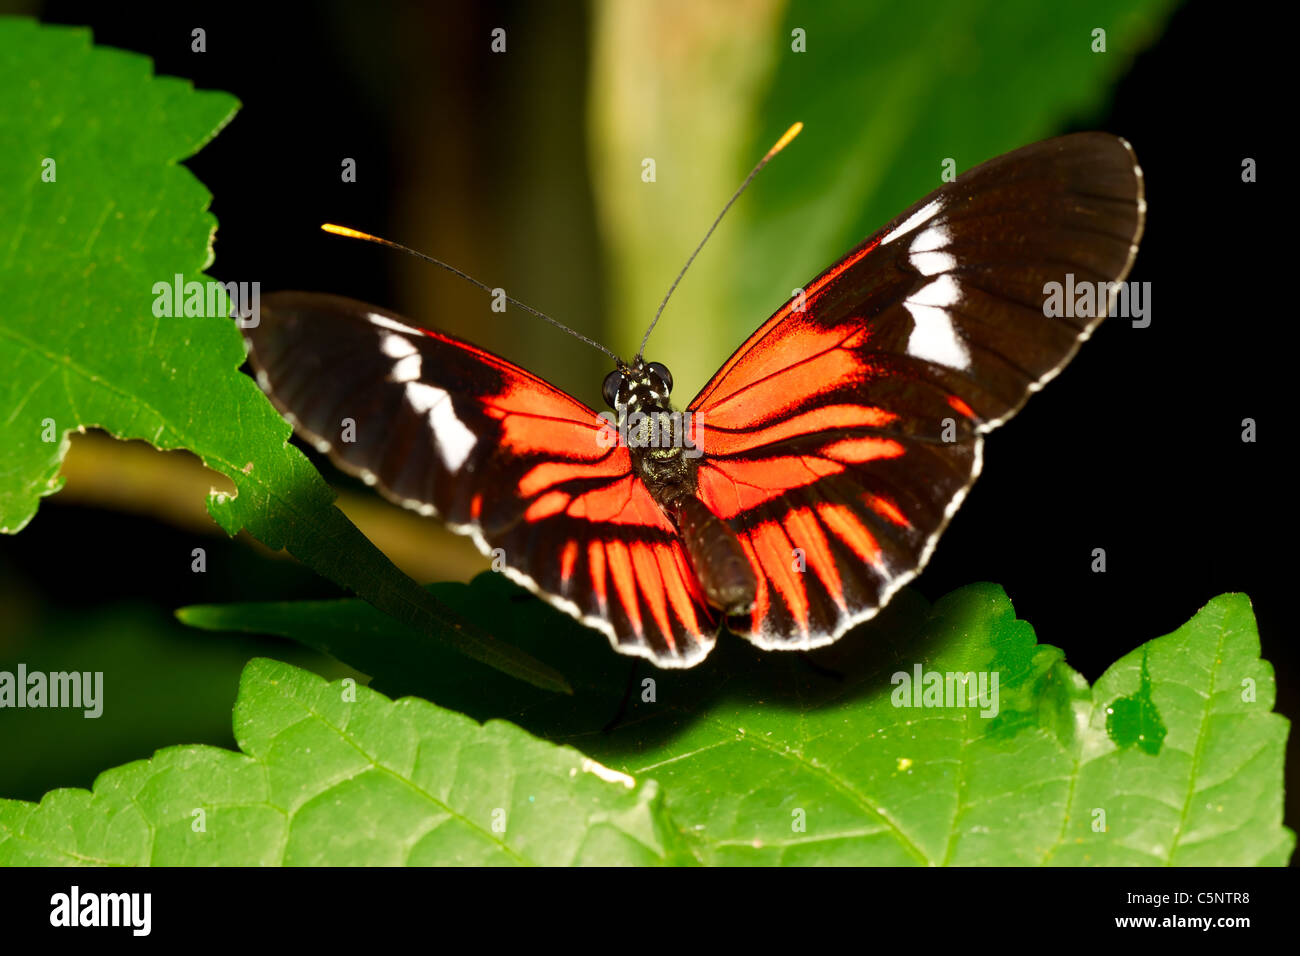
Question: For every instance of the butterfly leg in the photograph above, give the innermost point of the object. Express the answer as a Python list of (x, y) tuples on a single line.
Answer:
[(622, 704)]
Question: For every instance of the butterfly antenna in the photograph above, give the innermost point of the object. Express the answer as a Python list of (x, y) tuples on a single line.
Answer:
[(356, 234), (781, 144)]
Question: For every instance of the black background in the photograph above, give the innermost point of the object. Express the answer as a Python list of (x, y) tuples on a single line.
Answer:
[(1136, 448)]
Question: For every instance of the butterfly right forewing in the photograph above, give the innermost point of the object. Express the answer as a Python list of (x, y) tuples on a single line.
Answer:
[(839, 440)]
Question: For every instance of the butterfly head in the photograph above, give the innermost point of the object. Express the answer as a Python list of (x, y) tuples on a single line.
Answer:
[(640, 387)]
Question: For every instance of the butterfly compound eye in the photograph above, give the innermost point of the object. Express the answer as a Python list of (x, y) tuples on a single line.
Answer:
[(660, 371), (613, 381)]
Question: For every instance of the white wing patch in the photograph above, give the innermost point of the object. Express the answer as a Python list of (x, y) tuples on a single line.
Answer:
[(386, 323), (455, 441), (407, 366), (934, 338), (395, 346), (406, 370), (927, 211), (924, 252)]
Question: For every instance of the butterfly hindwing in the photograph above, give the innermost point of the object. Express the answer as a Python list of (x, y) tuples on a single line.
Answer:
[(839, 439), (448, 429)]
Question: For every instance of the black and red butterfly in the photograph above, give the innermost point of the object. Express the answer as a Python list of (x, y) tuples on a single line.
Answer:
[(824, 458)]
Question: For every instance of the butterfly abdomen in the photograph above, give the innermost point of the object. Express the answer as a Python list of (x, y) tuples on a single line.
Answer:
[(717, 557)]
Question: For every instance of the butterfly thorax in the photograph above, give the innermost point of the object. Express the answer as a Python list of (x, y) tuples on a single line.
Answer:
[(661, 442), (658, 442), (657, 436)]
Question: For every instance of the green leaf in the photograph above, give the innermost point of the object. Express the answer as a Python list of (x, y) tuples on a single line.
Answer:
[(80, 345), (1135, 720), (134, 712), (336, 774), (1213, 793), (887, 92), (750, 746)]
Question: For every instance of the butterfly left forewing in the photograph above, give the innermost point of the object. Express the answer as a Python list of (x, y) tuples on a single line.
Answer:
[(529, 472)]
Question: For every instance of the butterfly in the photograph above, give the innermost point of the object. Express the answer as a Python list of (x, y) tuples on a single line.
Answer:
[(811, 477)]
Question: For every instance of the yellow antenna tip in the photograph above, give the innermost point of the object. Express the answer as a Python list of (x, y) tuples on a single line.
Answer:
[(784, 141), (345, 231)]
